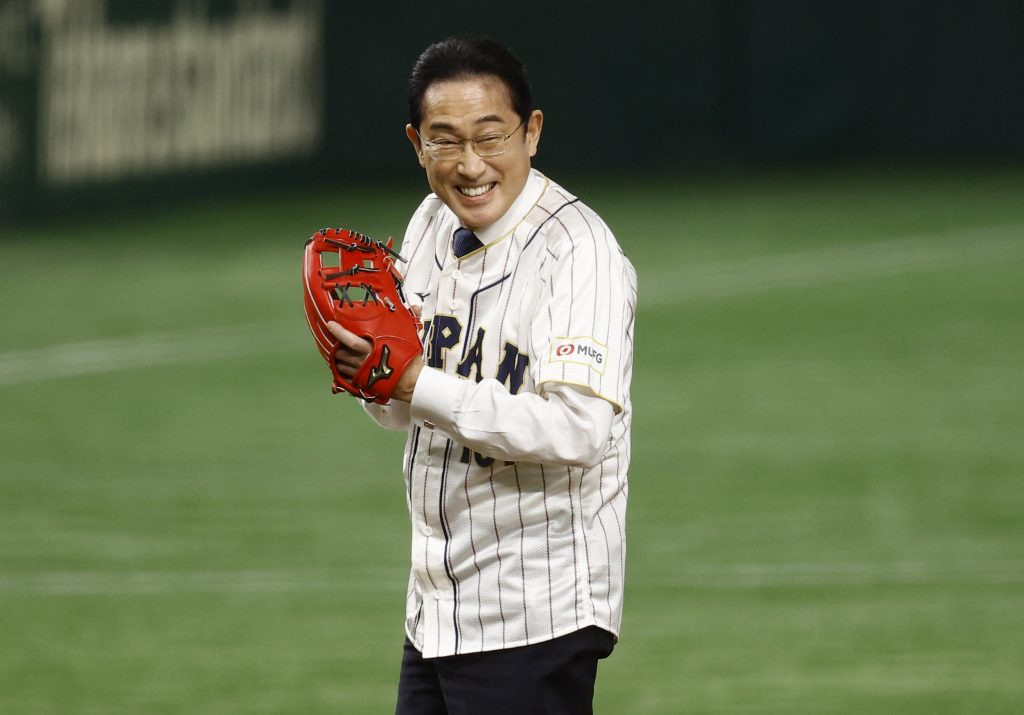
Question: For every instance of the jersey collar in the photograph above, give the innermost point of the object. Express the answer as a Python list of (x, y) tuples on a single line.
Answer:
[(536, 183)]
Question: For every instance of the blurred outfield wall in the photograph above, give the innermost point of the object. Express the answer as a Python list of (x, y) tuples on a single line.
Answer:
[(117, 101), (120, 99)]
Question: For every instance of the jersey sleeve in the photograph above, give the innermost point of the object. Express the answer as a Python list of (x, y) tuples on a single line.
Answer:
[(392, 416), (561, 427), (582, 330)]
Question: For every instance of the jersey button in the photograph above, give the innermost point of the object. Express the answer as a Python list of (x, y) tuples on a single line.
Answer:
[(427, 531), (428, 460), (456, 275), (437, 595), (453, 305)]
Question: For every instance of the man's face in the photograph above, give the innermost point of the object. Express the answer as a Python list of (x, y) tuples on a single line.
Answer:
[(478, 189)]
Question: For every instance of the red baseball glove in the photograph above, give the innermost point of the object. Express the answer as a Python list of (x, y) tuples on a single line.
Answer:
[(351, 279)]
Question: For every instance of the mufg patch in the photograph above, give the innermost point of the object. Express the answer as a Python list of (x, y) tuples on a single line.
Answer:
[(582, 351)]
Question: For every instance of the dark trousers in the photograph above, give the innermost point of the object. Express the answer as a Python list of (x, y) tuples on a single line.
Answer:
[(554, 677)]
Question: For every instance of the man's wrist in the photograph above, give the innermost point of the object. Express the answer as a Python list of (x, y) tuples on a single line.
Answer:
[(407, 382)]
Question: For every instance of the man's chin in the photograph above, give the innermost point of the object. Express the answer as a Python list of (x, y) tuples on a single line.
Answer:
[(475, 220)]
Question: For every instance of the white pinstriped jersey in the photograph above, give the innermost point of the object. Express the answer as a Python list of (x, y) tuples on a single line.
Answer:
[(519, 428)]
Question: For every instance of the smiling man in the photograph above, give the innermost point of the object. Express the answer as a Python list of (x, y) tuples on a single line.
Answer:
[(518, 415), (478, 189)]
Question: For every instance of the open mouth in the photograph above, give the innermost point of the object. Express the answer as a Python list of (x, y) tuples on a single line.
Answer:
[(473, 191)]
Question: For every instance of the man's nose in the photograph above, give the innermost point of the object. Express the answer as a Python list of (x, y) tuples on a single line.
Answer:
[(470, 163)]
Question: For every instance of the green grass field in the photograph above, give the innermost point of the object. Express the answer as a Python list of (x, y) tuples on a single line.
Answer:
[(827, 504)]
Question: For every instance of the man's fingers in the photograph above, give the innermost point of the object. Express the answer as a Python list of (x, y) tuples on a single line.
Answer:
[(352, 350), (352, 343), (347, 362)]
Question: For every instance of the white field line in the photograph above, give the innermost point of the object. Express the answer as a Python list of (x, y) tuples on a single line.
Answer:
[(140, 351), (754, 575), (855, 261), (90, 583), (667, 286)]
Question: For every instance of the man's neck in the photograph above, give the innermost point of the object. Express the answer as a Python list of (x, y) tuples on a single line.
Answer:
[(532, 190)]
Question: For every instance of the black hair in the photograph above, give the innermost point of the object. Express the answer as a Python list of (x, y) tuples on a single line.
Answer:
[(468, 56)]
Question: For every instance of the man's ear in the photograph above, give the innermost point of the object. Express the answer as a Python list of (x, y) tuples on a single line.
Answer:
[(534, 125), (417, 145)]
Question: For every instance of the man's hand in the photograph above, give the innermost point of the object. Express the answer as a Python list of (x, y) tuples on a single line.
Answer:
[(353, 350)]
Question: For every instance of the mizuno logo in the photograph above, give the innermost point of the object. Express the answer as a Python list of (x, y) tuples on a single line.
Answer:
[(382, 371)]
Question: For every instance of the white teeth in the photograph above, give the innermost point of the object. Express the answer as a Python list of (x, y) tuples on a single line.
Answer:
[(476, 190)]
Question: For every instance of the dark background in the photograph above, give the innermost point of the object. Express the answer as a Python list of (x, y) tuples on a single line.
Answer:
[(672, 85), (635, 89)]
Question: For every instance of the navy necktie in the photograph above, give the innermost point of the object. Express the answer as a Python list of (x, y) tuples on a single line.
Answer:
[(465, 242)]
